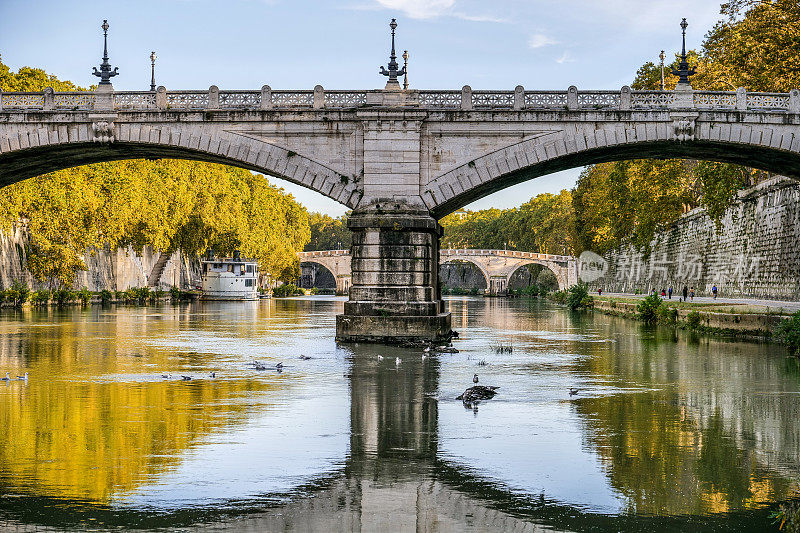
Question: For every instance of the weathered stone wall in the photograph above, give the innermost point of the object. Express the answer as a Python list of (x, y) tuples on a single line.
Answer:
[(118, 269), (754, 254)]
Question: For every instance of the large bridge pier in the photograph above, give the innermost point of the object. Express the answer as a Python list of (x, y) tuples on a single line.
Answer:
[(395, 294)]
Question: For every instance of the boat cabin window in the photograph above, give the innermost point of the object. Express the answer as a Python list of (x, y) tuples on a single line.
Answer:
[(248, 282), (249, 269)]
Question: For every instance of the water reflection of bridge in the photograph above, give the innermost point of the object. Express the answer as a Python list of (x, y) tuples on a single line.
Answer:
[(396, 478)]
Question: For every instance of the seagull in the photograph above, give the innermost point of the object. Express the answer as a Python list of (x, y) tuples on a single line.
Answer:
[(165, 376), (186, 378), (397, 361), (305, 357), (427, 349), (5, 378), (424, 357), (279, 367), (212, 375), (380, 358), (573, 391), (475, 379), (23, 378)]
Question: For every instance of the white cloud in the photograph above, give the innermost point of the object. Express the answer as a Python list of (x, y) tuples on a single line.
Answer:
[(566, 57), (419, 9), (539, 40), (480, 18)]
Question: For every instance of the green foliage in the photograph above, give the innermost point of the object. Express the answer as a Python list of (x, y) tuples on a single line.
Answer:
[(285, 290), (16, 295), (788, 517), (667, 314), (543, 224), (789, 332), (693, 320), (328, 233), (62, 297), (578, 297), (106, 296), (459, 291), (84, 296), (40, 298), (648, 309), (559, 297)]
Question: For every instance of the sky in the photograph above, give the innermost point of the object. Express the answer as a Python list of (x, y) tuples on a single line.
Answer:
[(297, 44)]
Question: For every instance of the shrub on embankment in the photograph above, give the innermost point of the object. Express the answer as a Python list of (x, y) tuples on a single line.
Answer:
[(576, 297), (788, 333)]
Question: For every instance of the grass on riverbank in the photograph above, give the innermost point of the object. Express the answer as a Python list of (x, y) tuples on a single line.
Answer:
[(713, 307)]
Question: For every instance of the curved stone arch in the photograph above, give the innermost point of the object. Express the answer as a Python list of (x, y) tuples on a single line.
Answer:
[(771, 147), (464, 259), (323, 265), (29, 152), (561, 273)]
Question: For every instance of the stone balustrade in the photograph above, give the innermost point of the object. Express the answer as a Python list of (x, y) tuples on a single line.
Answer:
[(465, 100)]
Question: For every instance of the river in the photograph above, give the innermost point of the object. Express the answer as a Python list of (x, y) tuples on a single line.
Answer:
[(669, 431)]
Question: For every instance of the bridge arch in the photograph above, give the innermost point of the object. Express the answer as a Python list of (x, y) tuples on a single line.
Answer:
[(769, 147), (561, 275), (26, 152), (460, 259)]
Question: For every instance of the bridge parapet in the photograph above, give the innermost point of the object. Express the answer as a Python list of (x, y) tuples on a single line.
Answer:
[(465, 99)]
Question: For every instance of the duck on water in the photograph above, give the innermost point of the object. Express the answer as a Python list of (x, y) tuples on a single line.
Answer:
[(477, 392)]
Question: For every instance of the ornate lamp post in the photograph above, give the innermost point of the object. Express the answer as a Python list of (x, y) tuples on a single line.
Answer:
[(405, 70), (153, 71), (105, 73), (683, 72), (662, 56), (393, 72)]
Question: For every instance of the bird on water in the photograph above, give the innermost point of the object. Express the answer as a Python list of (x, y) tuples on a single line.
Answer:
[(477, 392), (5, 378)]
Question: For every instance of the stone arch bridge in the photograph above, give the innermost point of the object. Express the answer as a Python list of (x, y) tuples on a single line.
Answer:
[(400, 159), (497, 266)]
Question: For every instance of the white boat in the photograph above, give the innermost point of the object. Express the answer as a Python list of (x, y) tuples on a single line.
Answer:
[(230, 278)]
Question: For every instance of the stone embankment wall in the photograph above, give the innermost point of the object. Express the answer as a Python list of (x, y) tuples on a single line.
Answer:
[(118, 269), (754, 254)]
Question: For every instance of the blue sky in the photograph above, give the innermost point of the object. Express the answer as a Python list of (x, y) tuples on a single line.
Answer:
[(296, 44)]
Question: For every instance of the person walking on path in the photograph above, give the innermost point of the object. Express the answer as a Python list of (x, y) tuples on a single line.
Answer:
[(691, 293), (714, 291), (685, 292), (669, 292)]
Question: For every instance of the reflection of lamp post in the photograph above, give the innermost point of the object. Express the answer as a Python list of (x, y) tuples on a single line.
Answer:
[(153, 71), (662, 68), (405, 69)]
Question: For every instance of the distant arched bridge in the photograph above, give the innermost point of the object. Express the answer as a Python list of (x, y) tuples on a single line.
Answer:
[(497, 266)]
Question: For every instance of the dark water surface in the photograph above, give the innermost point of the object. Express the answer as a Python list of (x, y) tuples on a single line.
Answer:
[(669, 432)]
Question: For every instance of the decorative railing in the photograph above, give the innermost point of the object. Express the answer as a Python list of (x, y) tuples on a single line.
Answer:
[(345, 99), (239, 99), (440, 99), (454, 252), (464, 100), (644, 99), (715, 99), (545, 99), (135, 100)]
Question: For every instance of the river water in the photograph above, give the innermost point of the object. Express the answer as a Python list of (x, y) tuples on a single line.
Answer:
[(669, 431)]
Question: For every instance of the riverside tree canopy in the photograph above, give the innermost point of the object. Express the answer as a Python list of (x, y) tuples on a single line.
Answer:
[(167, 204)]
